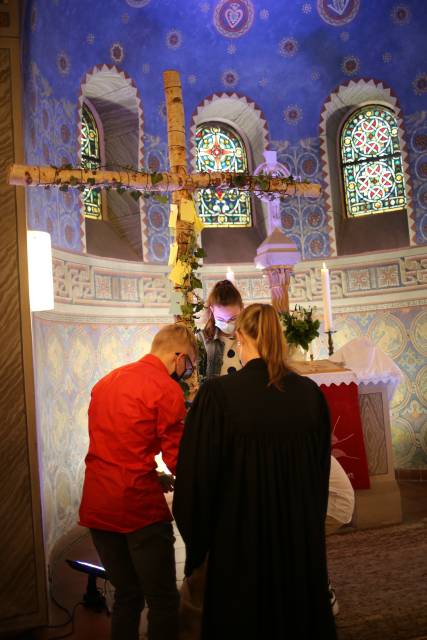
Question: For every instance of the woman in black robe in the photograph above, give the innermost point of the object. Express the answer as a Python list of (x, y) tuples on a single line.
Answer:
[(251, 492)]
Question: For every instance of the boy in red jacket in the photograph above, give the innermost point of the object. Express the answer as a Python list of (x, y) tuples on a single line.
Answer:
[(137, 411)]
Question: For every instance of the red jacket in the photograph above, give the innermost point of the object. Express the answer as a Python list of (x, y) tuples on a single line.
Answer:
[(135, 412)]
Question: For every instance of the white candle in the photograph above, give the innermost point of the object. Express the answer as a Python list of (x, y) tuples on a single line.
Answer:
[(230, 275), (326, 297)]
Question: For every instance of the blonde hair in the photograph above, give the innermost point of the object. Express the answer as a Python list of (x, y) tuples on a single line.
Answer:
[(174, 337), (261, 323), (224, 294)]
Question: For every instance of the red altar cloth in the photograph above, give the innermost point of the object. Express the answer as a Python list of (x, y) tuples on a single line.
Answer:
[(348, 445)]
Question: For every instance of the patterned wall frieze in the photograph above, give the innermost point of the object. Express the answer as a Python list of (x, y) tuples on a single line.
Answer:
[(389, 278), (77, 281)]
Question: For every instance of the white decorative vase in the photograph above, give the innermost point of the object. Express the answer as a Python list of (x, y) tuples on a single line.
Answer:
[(296, 352)]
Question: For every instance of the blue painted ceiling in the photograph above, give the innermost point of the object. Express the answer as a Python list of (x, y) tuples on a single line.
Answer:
[(279, 53)]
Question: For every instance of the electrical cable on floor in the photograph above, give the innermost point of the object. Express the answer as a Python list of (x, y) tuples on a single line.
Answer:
[(71, 632), (60, 606)]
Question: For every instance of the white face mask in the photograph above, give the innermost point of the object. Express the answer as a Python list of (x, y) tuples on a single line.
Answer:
[(227, 327)]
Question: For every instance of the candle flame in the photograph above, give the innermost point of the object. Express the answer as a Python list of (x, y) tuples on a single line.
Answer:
[(324, 266)]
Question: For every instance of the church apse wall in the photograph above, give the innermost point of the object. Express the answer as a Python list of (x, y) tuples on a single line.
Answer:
[(285, 60)]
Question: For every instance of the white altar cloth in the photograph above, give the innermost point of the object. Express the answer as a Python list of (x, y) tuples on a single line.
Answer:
[(369, 364)]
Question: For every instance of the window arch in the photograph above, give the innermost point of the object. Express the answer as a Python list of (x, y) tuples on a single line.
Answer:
[(220, 148), (371, 162), (90, 159)]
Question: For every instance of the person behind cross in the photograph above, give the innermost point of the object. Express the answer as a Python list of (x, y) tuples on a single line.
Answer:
[(137, 411), (218, 355)]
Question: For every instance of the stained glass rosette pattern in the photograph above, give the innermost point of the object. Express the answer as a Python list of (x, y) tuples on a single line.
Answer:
[(372, 163), (90, 159), (221, 149)]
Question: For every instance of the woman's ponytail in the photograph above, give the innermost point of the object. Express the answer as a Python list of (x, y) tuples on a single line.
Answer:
[(261, 323)]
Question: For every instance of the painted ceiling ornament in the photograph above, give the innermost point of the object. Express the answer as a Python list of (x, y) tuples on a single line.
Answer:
[(292, 114), (420, 84), (138, 4), (350, 65), (63, 63), (174, 39), (338, 12), (230, 78), (288, 47), (233, 18), (117, 52), (401, 14)]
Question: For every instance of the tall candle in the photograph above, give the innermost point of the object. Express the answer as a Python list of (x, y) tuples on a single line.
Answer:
[(326, 297), (230, 275)]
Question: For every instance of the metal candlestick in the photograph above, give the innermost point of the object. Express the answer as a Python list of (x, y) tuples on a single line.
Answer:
[(330, 342)]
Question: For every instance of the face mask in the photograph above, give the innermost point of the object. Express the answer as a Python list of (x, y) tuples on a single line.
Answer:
[(187, 373), (229, 328)]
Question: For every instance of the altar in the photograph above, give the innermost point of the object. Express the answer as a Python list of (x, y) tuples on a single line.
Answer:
[(358, 400)]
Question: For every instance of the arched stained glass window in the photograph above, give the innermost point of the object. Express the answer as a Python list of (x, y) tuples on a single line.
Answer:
[(372, 162), (219, 148), (90, 159)]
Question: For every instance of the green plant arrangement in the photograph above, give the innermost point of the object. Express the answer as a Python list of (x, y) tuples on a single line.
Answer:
[(299, 326)]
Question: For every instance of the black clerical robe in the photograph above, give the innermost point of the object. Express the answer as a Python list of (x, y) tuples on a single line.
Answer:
[(251, 491)]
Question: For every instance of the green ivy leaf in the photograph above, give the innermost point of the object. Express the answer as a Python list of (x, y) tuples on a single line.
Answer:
[(161, 198), (187, 309), (196, 283), (239, 180), (156, 178), (135, 195)]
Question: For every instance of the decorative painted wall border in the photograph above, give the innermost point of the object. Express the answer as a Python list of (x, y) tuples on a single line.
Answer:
[(93, 77), (116, 288), (354, 93)]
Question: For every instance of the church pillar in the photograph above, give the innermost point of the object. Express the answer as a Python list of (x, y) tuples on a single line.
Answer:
[(23, 602)]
